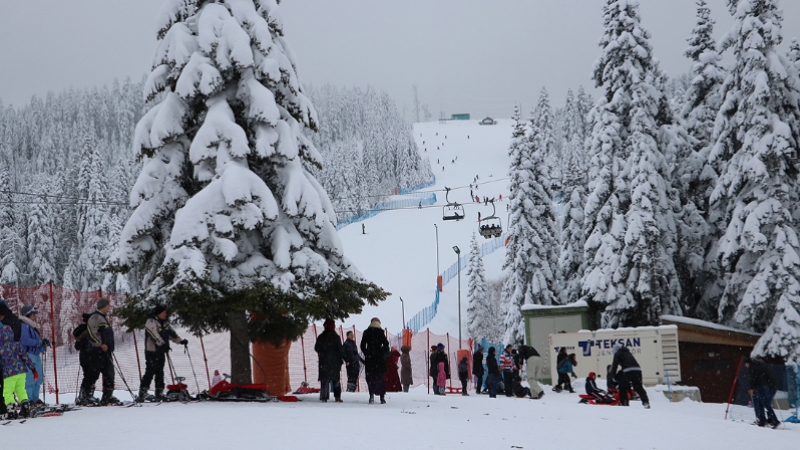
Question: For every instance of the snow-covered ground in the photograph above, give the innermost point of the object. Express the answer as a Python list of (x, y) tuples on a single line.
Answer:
[(408, 421), (399, 250)]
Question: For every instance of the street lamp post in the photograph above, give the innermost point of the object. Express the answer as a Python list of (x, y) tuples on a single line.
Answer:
[(437, 256), (458, 252), (403, 307)]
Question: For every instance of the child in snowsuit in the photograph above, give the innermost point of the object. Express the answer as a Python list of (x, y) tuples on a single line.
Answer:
[(600, 396), (16, 363), (441, 379), (463, 374), (564, 372)]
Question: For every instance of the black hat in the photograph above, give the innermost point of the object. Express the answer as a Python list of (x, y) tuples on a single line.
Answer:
[(158, 310)]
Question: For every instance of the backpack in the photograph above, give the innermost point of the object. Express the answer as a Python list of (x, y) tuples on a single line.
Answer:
[(81, 334), (463, 367)]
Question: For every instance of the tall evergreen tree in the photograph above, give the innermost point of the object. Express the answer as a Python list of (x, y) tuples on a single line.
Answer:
[(480, 321), (570, 263), (756, 150), (532, 255), (630, 275), (228, 220)]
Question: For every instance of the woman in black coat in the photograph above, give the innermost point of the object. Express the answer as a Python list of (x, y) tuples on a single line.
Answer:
[(493, 371), (331, 355), (375, 347)]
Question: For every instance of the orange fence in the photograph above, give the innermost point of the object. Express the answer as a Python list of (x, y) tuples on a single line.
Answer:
[(60, 311)]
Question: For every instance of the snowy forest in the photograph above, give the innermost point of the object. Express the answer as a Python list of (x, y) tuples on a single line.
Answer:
[(679, 196), (67, 170)]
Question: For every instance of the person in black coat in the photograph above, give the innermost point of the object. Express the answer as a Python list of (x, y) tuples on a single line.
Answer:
[(477, 369), (11, 319), (761, 388), (375, 347), (628, 375), (331, 356), (433, 368), (493, 370), (352, 360)]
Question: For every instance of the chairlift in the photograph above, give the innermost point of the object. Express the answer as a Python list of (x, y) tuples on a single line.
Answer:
[(452, 211), (491, 226)]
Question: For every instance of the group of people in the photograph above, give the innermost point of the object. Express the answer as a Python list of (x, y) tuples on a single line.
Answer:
[(21, 348), (379, 361), (504, 376)]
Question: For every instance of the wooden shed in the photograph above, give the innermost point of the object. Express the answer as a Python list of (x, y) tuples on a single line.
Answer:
[(710, 355)]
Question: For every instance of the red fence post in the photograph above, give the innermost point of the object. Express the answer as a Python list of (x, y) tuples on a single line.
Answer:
[(733, 387), (53, 336), (427, 362), (205, 360)]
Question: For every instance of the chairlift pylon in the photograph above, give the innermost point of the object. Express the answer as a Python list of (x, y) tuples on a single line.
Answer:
[(452, 210), (491, 226)]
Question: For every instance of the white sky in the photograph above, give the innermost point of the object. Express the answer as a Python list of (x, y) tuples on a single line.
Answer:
[(464, 55)]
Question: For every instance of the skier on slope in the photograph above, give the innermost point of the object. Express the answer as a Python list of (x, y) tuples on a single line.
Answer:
[(629, 375), (99, 356), (158, 333)]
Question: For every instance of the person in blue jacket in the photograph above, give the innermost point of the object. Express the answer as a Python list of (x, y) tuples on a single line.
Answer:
[(31, 340), (564, 372)]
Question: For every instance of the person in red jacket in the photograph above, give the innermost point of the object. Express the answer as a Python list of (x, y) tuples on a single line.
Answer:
[(392, 377)]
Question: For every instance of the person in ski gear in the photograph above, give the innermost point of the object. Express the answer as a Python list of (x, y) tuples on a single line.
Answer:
[(216, 379), (531, 358), (352, 360), (508, 367), (463, 374), (331, 357), (99, 355), (433, 369), (628, 373), (761, 388), (34, 345), (406, 374), (520, 391), (363, 229), (15, 366), (477, 369), (600, 396), (493, 372), (391, 377), (10, 319), (157, 334), (565, 371), (375, 347)]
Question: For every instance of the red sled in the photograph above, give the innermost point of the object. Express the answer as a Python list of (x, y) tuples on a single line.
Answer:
[(228, 392)]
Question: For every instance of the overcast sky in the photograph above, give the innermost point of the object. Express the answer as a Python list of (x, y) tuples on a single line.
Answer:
[(464, 55)]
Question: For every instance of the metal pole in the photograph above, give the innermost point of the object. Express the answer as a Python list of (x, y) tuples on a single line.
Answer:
[(53, 336), (205, 360), (403, 307), (459, 301)]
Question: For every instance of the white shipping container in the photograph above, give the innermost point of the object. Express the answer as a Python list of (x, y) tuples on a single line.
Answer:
[(655, 348)]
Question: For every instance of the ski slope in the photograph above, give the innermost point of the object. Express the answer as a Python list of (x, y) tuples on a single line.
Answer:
[(398, 251)]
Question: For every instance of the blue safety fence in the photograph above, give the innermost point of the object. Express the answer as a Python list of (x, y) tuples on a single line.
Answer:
[(411, 201), (416, 187), (427, 314)]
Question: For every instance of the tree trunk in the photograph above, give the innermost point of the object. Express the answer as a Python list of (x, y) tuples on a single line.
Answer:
[(241, 372)]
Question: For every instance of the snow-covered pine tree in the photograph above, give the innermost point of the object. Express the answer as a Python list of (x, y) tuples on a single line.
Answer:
[(630, 275), (570, 262), (542, 129), (793, 55), (11, 246), (757, 135), (480, 321), (532, 252), (228, 220), (39, 239)]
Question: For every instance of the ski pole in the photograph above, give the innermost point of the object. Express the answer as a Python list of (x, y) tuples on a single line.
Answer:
[(114, 361), (186, 350)]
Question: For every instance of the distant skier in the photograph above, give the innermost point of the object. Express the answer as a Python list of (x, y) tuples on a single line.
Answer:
[(157, 333), (629, 375), (363, 229), (479, 214)]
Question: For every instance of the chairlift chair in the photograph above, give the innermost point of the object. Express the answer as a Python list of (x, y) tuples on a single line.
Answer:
[(491, 226), (452, 211)]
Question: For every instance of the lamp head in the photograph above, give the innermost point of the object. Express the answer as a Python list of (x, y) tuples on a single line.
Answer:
[(457, 250)]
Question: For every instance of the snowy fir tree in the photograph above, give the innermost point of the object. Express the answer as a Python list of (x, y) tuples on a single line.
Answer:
[(531, 254), (543, 130), (480, 321), (756, 154), (629, 275), (228, 220), (570, 262), (793, 55)]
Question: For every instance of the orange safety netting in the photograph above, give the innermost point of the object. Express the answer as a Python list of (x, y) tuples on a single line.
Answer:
[(60, 311)]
